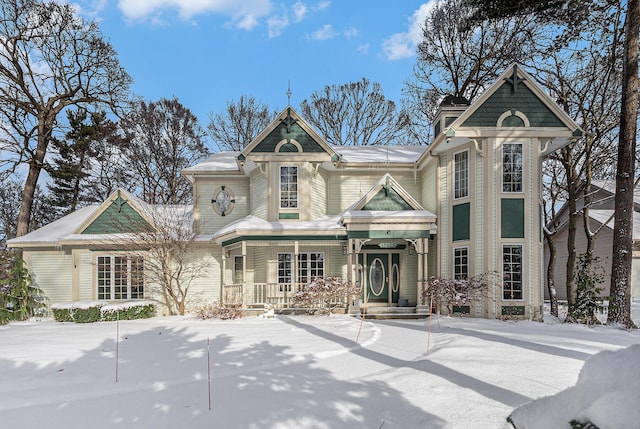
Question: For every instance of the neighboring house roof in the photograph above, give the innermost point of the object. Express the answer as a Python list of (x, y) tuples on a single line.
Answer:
[(601, 216), (610, 186)]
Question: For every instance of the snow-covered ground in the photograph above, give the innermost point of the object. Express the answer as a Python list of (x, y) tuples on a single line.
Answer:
[(293, 372)]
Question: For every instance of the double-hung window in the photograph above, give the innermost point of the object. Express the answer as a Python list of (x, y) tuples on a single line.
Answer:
[(512, 167), (511, 271), (461, 174), (120, 277), (288, 187)]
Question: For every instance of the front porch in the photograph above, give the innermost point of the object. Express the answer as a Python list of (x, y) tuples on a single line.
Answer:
[(272, 295)]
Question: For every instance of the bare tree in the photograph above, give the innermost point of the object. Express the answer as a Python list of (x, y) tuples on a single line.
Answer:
[(50, 59), (239, 124), (462, 58), (163, 138), (355, 114)]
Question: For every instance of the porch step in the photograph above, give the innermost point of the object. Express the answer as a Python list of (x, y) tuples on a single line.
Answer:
[(381, 313)]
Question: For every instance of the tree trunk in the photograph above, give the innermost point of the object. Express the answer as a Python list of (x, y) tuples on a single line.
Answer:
[(567, 160), (551, 271), (620, 297), (35, 167)]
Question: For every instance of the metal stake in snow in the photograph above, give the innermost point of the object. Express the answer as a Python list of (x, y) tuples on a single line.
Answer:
[(429, 324), (209, 370), (117, 341), (364, 313)]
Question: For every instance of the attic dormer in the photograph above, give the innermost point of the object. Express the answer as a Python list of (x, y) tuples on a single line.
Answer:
[(449, 110)]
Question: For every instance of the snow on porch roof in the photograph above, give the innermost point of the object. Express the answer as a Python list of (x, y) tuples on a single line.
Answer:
[(370, 154), (252, 225)]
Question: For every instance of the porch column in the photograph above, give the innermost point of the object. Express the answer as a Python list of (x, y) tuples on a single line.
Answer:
[(223, 276), (294, 266), (425, 263), (244, 276)]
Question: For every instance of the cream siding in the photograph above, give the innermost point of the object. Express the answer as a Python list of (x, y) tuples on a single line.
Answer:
[(86, 276), (260, 264), (477, 190), (209, 221), (259, 195), (318, 195), (430, 186), (205, 288), (444, 217), (52, 271), (409, 277)]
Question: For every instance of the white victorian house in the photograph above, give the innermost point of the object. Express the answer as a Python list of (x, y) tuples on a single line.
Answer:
[(290, 208)]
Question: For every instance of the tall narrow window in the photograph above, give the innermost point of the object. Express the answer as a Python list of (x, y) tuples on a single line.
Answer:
[(284, 272), (511, 272), (288, 187), (461, 174), (238, 276), (461, 263), (512, 167), (120, 277)]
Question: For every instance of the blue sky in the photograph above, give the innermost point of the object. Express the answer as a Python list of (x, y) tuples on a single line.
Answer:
[(208, 52)]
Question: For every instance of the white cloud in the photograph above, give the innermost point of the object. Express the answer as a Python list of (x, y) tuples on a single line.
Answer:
[(299, 11), (276, 25), (363, 49), (244, 14), (403, 45), (324, 33), (350, 32)]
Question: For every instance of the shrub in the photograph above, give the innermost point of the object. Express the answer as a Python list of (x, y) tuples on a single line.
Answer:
[(323, 295), (457, 292), (127, 311), (218, 310), (95, 311), (19, 299)]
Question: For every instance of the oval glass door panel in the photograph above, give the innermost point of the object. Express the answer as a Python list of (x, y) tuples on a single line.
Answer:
[(376, 277), (395, 278)]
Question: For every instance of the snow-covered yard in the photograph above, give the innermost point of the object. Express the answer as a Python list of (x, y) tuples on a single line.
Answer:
[(290, 372)]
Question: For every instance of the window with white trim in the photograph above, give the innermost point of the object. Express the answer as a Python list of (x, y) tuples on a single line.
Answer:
[(461, 263), (120, 277), (461, 174), (512, 167), (288, 187), (512, 272), (310, 266), (238, 268)]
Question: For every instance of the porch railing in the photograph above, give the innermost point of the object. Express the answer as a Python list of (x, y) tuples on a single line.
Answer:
[(279, 295)]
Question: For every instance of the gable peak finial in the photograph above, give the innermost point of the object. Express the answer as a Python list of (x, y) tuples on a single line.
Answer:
[(289, 93)]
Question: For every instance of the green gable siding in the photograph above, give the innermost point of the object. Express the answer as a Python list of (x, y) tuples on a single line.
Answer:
[(387, 201), (119, 217), (512, 217), (296, 132), (504, 99), (461, 219)]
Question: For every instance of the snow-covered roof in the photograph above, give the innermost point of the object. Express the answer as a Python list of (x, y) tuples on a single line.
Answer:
[(602, 216), (327, 225), (226, 161), (369, 154), (221, 161), (396, 216), (66, 229), (55, 231)]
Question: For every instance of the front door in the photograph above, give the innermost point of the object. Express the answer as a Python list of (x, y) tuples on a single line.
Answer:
[(377, 277)]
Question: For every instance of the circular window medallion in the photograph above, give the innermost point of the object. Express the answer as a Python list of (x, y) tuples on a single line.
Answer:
[(223, 201), (395, 278), (376, 277)]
